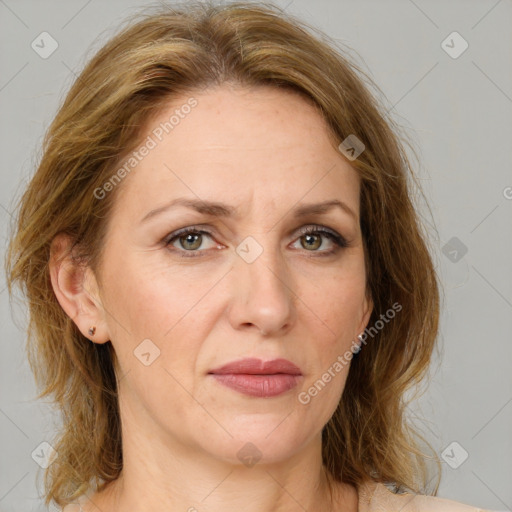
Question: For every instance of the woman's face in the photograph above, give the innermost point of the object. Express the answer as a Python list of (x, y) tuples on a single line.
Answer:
[(244, 283)]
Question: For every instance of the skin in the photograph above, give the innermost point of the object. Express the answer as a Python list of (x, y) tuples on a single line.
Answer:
[(264, 152)]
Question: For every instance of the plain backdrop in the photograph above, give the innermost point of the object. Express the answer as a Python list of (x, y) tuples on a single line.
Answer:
[(454, 102)]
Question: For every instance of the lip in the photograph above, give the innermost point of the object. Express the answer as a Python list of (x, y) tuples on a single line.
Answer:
[(255, 377), (253, 366)]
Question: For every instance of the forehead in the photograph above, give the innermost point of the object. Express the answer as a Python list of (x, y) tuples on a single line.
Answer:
[(241, 143)]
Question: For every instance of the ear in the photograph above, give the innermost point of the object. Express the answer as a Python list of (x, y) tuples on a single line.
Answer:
[(365, 318), (76, 290)]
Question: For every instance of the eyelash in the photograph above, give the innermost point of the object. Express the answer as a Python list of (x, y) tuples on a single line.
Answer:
[(339, 241)]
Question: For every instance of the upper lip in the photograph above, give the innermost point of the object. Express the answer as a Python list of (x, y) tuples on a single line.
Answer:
[(253, 366)]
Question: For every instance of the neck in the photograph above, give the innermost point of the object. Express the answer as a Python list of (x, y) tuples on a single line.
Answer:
[(168, 470), (160, 473)]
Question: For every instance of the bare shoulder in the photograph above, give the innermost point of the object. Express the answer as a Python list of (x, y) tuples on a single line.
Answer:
[(376, 497)]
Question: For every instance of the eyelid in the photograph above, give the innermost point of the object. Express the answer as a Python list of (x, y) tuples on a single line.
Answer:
[(167, 241), (339, 240)]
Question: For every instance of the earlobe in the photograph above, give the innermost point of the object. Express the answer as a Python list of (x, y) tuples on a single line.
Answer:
[(75, 287)]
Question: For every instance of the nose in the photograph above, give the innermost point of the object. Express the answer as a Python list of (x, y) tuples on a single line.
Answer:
[(263, 297)]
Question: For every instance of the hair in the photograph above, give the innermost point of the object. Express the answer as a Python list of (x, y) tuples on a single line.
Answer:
[(157, 55)]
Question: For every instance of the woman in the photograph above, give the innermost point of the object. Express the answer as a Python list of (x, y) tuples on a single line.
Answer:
[(229, 287)]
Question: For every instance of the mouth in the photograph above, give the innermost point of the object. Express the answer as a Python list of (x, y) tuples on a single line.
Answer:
[(256, 378), (262, 386)]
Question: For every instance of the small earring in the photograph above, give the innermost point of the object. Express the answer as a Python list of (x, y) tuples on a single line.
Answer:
[(92, 330)]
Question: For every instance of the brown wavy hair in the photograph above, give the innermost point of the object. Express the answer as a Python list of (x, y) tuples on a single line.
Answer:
[(168, 50)]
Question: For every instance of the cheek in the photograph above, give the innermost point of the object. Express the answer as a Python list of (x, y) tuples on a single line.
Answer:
[(151, 298), (339, 308), (338, 303), (145, 314), (158, 335)]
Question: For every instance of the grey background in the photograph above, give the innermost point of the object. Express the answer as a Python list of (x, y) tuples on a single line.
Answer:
[(457, 112)]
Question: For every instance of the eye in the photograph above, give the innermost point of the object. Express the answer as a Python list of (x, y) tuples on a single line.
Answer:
[(311, 239), (189, 240)]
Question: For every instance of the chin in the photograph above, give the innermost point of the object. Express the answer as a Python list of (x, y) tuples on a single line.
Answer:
[(264, 441)]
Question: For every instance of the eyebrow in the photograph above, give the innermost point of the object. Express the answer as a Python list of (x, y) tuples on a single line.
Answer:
[(216, 209)]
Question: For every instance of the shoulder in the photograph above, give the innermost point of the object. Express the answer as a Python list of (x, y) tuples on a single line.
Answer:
[(376, 497)]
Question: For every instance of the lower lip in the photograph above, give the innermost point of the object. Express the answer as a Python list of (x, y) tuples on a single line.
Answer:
[(262, 386)]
